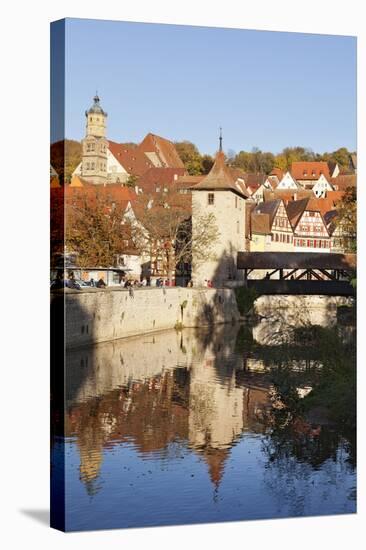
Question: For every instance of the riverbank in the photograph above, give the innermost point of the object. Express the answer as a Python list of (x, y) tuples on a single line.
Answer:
[(96, 315)]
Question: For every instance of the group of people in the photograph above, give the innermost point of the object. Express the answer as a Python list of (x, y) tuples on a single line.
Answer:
[(98, 284), (128, 283)]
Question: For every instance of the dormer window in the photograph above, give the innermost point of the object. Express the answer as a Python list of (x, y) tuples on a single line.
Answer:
[(211, 198), (305, 173)]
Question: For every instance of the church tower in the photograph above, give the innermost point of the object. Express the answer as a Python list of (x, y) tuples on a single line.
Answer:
[(95, 145)]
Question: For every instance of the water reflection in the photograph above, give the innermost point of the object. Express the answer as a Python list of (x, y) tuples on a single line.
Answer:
[(225, 402)]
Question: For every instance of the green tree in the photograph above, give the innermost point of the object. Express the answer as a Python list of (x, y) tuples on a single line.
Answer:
[(206, 162), (190, 157), (131, 180), (341, 156)]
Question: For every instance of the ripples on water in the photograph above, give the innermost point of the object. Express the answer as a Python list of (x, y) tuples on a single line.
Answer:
[(198, 426)]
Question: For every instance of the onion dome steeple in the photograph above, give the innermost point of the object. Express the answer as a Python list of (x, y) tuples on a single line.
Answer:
[(96, 108)]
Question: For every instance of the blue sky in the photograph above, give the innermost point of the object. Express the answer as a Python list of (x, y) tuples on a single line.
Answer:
[(266, 89)]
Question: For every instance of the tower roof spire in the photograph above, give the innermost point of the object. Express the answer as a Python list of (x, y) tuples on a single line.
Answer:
[(96, 108), (220, 140)]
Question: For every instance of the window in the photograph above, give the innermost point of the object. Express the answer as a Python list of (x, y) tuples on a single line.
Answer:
[(237, 227), (211, 198), (236, 202)]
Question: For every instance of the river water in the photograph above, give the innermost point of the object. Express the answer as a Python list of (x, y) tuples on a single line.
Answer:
[(210, 425)]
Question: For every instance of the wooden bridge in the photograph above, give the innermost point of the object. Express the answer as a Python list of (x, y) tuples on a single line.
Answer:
[(299, 272)]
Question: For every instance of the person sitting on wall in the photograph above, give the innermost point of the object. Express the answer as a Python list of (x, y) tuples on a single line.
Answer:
[(71, 283), (92, 282), (101, 283)]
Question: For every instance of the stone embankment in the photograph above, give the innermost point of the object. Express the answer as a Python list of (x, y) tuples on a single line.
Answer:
[(95, 315)]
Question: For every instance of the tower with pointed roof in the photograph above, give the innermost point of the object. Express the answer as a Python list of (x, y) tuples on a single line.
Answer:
[(95, 145), (224, 196)]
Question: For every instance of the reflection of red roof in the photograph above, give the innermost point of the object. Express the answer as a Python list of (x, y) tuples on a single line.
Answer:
[(215, 459), (309, 170), (163, 148), (133, 160)]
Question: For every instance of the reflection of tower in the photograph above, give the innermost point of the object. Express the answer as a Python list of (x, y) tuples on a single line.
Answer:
[(95, 144), (216, 408), (215, 459), (215, 413), (91, 457)]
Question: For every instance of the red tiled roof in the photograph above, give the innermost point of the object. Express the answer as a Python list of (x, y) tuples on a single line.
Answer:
[(295, 210), (133, 160), (260, 223), (277, 172), (309, 170), (287, 194), (319, 205), (163, 148), (335, 196), (188, 181), (341, 182), (159, 178)]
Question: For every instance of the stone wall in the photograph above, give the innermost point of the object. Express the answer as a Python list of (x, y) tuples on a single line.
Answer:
[(101, 315)]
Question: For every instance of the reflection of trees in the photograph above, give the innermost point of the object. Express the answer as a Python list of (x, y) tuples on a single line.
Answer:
[(312, 429), (151, 414)]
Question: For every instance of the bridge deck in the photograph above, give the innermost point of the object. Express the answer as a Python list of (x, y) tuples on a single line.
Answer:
[(284, 286), (296, 260)]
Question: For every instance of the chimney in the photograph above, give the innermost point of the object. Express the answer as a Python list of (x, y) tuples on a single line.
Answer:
[(175, 177), (136, 189)]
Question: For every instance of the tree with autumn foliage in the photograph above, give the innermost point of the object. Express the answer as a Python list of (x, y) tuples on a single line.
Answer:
[(65, 157), (163, 232), (95, 228), (347, 219)]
